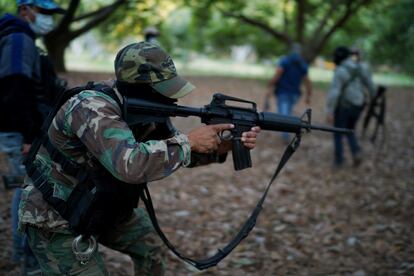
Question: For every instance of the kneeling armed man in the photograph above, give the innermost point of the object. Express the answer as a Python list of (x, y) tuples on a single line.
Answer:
[(91, 150)]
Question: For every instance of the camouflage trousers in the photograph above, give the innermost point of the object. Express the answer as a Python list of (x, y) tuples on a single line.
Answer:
[(136, 237)]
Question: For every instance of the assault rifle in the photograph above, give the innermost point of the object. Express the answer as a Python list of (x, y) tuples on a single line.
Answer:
[(243, 116), (219, 112), (376, 109)]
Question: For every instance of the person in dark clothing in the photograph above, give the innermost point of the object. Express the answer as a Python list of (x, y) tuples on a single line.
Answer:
[(151, 34), (285, 84), (20, 76)]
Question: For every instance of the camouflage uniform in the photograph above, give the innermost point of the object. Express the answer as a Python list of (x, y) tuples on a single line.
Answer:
[(91, 123)]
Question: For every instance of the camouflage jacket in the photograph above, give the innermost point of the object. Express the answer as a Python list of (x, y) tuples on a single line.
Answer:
[(91, 123)]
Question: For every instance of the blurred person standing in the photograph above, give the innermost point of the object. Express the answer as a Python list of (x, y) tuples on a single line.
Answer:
[(346, 99), (151, 35), (285, 84), (21, 97)]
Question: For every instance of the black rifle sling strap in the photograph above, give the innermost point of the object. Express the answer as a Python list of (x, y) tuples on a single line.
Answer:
[(353, 75), (376, 109), (243, 232)]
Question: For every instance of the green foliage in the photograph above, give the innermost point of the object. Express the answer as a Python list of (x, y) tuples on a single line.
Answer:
[(393, 38), (384, 31), (8, 6), (128, 23), (221, 24), (214, 33), (354, 34)]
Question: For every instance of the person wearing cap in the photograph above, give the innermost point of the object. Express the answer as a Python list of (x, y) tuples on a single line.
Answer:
[(20, 118), (345, 101), (91, 124)]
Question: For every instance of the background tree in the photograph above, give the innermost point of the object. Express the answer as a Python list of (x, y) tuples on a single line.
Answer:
[(127, 25), (75, 22), (309, 22), (212, 27), (392, 39)]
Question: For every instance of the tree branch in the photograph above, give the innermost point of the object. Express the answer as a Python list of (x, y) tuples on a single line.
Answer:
[(350, 10), (99, 16), (254, 22), (87, 15), (68, 16), (322, 23), (285, 17), (300, 19)]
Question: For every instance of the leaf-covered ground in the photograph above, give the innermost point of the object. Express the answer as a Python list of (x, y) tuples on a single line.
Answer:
[(315, 221)]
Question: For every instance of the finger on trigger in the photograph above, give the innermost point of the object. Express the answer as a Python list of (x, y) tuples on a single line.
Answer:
[(221, 127)]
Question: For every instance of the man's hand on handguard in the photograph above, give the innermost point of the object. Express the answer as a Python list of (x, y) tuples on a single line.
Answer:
[(205, 139), (249, 137)]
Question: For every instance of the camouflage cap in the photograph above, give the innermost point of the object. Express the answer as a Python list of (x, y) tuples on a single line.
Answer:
[(144, 62)]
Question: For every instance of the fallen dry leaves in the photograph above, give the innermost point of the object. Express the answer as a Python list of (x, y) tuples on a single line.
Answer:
[(315, 221)]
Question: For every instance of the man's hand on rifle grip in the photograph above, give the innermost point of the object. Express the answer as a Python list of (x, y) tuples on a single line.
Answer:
[(205, 139), (248, 139)]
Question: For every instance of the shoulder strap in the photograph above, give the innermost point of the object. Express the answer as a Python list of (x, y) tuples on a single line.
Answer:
[(354, 74), (41, 181), (243, 232)]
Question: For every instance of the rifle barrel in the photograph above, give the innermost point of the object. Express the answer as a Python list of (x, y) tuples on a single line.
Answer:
[(331, 129)]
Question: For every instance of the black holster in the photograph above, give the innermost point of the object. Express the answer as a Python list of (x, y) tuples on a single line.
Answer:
[(101, 203)]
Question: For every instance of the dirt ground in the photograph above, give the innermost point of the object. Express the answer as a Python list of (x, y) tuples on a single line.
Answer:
[(315, 221)]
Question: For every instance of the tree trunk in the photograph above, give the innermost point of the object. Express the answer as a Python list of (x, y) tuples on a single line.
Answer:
[(308, 53), (57, 40), (56, 49)]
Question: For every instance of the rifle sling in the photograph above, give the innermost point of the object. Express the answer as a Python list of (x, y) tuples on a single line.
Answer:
[(243, 232), (376, 109), (353, 75)]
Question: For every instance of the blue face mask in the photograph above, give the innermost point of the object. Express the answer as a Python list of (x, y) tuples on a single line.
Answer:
[(43, 24)]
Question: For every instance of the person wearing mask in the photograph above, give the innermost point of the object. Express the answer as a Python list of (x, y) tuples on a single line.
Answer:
[(20, 73)]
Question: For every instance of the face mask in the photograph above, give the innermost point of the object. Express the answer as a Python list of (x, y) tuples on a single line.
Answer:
[(43, 24)]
